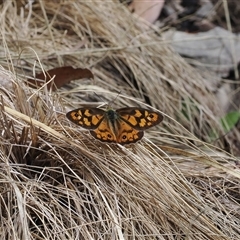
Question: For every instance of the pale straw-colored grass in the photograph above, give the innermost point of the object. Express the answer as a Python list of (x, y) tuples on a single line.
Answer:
[(57, 182)]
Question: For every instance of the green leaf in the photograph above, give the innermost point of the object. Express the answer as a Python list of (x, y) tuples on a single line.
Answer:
[(229, 121)]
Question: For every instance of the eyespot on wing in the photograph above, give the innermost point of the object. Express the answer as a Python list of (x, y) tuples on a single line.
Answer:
[(104, 133)]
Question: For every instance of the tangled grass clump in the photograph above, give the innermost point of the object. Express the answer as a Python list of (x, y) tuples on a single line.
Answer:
[(57, 182)]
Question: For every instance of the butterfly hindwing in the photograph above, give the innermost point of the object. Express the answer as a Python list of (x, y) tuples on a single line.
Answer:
[(103, 132), (86, 118), (124, 134), (127, 134), (139, 118)]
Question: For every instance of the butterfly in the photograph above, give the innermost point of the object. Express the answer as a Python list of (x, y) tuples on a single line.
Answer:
[(123, 126)]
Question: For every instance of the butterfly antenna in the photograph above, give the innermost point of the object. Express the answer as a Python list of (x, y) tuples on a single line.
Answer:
[(112, 101), (104, 103), (109, 103)]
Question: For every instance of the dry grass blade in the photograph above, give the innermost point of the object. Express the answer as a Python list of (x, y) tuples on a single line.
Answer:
[(57, 182)]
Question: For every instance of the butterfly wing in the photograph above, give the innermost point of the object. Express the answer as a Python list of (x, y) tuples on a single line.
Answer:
[(127, 134), (113, 128), (122, 126), (89, 118), (104, 132), (139, 118)]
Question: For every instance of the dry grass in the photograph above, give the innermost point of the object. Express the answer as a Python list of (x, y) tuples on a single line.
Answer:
[(58, 183)]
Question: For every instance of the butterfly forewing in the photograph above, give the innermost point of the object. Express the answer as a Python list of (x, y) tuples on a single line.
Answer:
[(139, 118), (87, 118)]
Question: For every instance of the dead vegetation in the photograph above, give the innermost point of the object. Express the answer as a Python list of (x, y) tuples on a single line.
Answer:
[(57, 182)]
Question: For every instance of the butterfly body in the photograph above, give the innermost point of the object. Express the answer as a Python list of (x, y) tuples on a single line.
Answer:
[(125, 125)]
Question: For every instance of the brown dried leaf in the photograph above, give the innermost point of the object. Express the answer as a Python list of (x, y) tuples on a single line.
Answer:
[(62, 75)]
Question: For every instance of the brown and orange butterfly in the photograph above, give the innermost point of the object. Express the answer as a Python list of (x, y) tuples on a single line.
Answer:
[(125, 125)]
